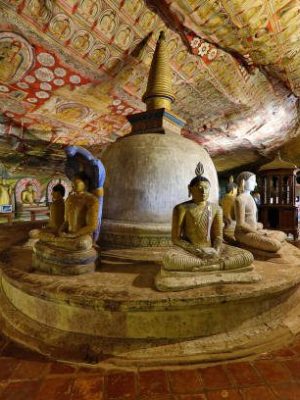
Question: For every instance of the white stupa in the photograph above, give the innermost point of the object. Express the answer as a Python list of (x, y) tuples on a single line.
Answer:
[(149, 170)]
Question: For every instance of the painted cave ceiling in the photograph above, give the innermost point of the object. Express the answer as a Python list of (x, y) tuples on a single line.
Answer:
[(72, 70)]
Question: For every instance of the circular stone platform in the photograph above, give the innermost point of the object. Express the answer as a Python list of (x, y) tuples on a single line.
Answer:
[(116, 316)]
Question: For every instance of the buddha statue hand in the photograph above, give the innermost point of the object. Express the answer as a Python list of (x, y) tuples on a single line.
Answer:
[(262, 232), (210, 252), (68, 235), (206, 253)]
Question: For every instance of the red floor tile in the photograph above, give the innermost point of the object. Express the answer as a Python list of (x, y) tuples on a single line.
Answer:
[(214, 377), (185, 381), (224, 394), (284, 353), (200, 396), (257, 393), (55, 389), (120, 386), (91, 370), (157, 396), (243, 374), (88, 388), (7, 367), (154, 381), (30, 370), (19, 352), (61, 368), (294, 367), (296, 347), (272, 371), (287, 391), (21, 391)]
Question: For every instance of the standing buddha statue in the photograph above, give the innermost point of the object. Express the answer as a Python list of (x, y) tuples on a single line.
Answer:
[(5, 193)]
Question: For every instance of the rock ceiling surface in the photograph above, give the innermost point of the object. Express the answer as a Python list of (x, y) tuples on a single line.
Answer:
[(71, 70)]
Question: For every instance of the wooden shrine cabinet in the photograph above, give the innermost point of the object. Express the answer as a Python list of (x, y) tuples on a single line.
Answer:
[(279, 208)]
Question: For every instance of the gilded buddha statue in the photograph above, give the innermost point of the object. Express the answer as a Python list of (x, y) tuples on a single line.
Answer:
[(197, 233), (5, 192), (56, 217), (227, 204), (57, 208), (80, 219), (28, 195), (70, 247), (248, 232)]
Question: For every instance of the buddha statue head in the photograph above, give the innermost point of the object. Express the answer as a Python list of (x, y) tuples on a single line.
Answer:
[(199, 186), (231, 187), (29, 187), (246, 181), (80, 182), (58, 192)]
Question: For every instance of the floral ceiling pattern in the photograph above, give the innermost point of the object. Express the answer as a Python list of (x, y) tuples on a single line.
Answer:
[(72, 70)]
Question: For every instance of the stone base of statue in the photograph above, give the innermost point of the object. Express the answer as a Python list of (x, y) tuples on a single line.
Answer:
[(116, 317), (174, 280), (59, 261), (259, 249), (181, 270)]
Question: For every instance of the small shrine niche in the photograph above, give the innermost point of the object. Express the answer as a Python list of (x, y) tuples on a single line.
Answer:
[(280, 191)]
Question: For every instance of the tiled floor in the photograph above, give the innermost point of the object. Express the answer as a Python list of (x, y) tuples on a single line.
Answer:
[(28, 376)]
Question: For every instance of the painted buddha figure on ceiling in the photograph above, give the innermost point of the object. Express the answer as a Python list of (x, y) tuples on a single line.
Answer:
[(197, 233), (248, 231), (10, 59)]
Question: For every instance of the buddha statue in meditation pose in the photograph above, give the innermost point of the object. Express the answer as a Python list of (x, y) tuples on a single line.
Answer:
[(227, 204), (66, 246), (56, 218), (248, 232), (28, 195), (197, 233), (80, 219), (57, 209)]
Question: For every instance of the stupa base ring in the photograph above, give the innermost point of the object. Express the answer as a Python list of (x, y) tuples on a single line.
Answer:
[(115, 316), (117, 234)]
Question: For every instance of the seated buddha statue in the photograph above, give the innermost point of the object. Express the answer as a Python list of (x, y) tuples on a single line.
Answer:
[(68, 248), (57, 209), (227, 204), (248, 232), (28, 196), (56, 217), (197, 233), (80, 218)]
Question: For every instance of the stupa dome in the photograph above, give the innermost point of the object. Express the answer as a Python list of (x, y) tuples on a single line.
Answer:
[(147, 175), (148, 172)]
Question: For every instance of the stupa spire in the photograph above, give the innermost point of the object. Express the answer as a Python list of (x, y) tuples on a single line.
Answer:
[(159, 93)]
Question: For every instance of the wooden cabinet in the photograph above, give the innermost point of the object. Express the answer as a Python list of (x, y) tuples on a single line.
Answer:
[(279, 208)]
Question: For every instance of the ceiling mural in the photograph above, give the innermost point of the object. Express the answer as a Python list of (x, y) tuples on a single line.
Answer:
[(72, 70)]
